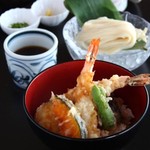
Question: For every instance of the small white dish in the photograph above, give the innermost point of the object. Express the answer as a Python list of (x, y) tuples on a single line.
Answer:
[(130, 59), (43, 8), (18, 15)]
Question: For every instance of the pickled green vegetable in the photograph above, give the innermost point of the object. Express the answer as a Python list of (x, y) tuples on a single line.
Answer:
[(139, 45)]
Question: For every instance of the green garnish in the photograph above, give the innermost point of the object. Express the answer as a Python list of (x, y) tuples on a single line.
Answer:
[(139, 45), (85, 10), (19, 25), (104, 110)]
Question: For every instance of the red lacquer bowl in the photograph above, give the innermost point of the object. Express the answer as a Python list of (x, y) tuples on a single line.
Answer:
[(63, 76)]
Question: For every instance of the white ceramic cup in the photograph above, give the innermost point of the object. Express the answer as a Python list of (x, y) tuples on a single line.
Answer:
[(24, 68)]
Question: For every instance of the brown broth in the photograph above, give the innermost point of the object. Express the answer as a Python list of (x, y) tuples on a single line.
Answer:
[(31, 50)]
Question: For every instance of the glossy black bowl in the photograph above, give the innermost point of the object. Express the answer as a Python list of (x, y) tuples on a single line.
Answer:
[(63, 76)]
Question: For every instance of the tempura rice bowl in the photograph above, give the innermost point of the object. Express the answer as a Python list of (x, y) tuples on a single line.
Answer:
[(63, 76)]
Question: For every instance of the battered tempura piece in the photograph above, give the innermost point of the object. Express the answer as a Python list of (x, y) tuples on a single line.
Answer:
[(61, 117), (76, 113)]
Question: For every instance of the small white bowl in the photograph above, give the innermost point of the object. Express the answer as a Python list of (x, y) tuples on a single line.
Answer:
[(57, 7), (130, 59), (18, 15)]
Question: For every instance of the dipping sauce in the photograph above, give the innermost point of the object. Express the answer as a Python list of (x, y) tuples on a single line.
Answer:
[(31, 50)]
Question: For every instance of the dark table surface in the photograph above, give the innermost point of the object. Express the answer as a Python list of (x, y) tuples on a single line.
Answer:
[(15, 132)]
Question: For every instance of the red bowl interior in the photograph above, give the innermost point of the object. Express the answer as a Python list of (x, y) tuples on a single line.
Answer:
[(63, 76)]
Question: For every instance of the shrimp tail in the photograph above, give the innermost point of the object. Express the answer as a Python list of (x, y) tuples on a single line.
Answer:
[(91, 55), (139, 80)]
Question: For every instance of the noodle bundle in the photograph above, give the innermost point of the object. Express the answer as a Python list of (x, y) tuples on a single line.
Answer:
[(115, 35)]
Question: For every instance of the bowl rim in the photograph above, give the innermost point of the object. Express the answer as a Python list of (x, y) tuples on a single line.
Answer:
[(36, 3), (29, 31), (5, 27), (7, 12), (30, 118)]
